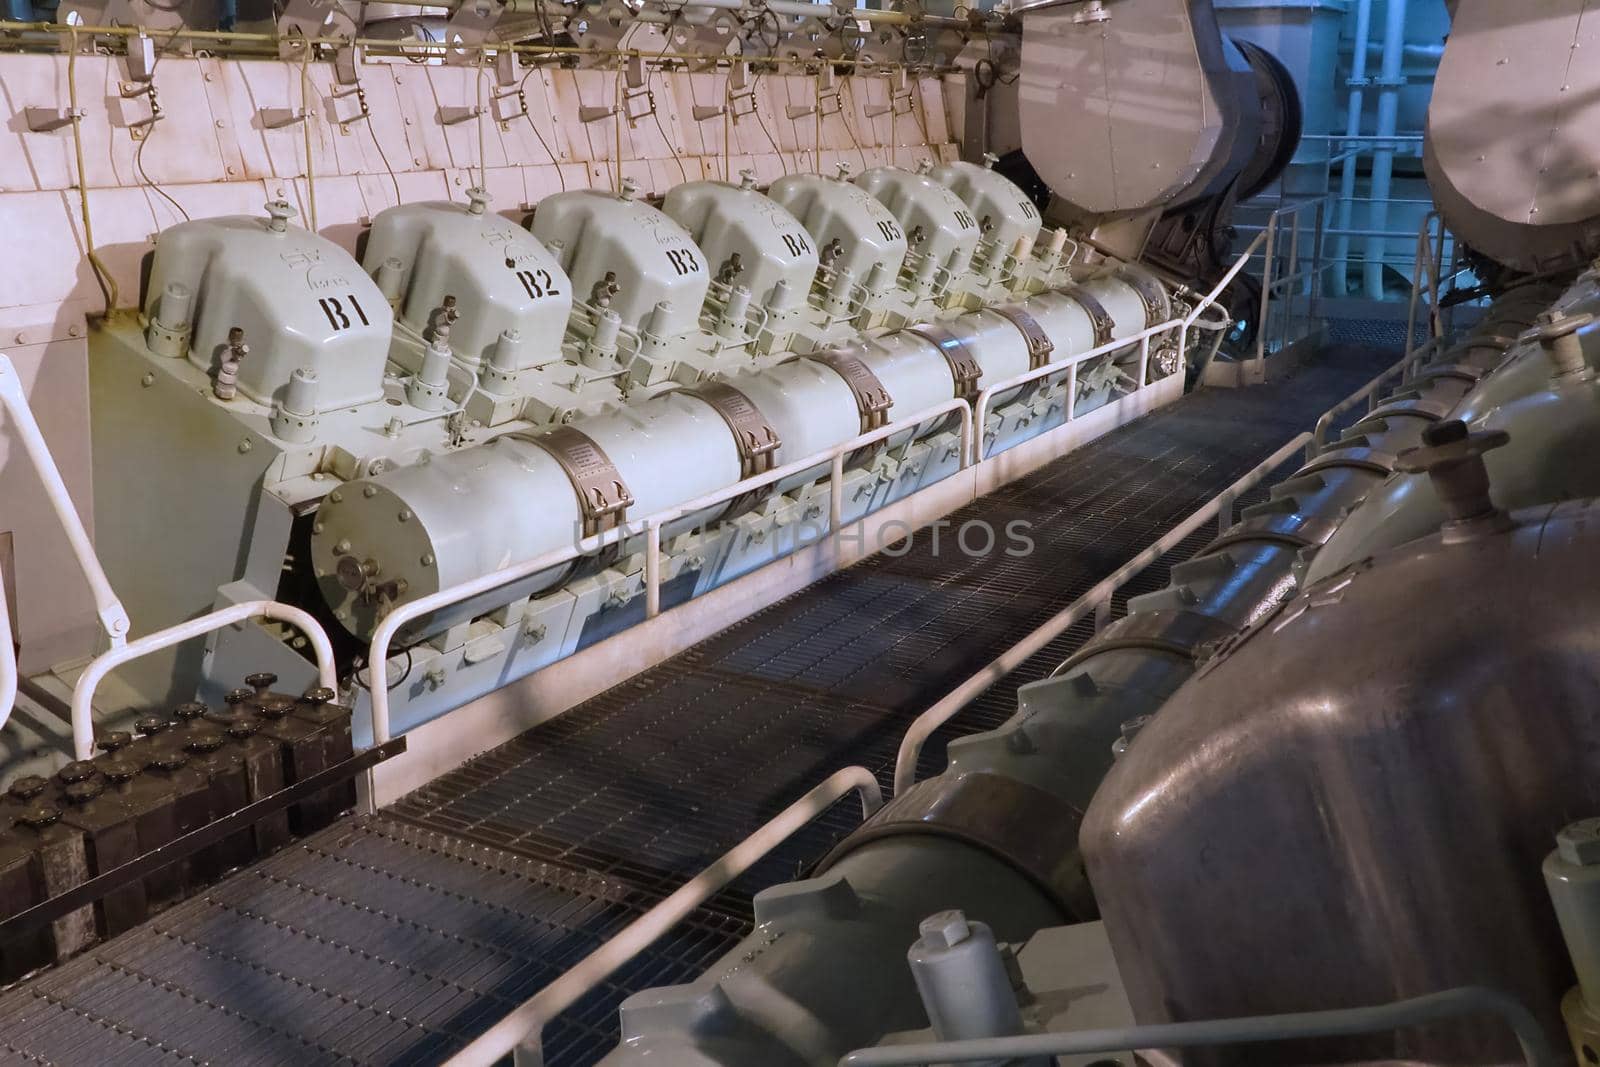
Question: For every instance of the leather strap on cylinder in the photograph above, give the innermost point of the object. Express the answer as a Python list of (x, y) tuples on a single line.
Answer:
[(1150, 293), (964, 366), (754, 436), (1040, 347), (872, 399), (603, 497), (1099, 317)]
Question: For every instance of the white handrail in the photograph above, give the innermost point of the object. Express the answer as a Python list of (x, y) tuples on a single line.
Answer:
[(1368, 392), (1142, 339), (106, 662), (905, 768), (383, 636), (8, 658), (528, 1019), (113, 618)]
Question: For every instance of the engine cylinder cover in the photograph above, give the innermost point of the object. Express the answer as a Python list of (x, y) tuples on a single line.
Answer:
[(740, 228), (867, 233), (937, 221), (652, 259), (301, 301), (501, 276), (1350, 806)]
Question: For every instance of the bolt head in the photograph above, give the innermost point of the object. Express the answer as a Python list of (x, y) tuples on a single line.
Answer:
[(945, 929), (1579, 842)]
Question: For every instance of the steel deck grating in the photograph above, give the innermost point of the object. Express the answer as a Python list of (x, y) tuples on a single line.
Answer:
[(396, 938)]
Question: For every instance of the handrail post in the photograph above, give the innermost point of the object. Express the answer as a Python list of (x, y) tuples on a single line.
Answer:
[(1144, 362), (836, 494), (1267, 272), (1072, 393), (652, 568)]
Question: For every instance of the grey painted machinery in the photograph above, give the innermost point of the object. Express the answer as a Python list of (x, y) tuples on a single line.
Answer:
[(473, 394)]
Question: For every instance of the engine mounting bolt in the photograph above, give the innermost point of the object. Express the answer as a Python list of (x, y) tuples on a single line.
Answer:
[(1452, 458), (1579, 842), (945, 928)]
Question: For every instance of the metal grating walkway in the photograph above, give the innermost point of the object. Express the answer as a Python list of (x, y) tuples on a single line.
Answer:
[(396, 938)]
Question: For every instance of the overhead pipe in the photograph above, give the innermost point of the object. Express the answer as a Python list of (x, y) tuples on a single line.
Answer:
[(1389, 83), (1352, 129)]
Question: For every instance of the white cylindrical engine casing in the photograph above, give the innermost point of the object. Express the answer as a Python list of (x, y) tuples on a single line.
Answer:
[(727, 220), (447, 520), (997, 344), (469, 513), (936, 220), (654, 259), (501, 276), (808, 406), (869, 235)]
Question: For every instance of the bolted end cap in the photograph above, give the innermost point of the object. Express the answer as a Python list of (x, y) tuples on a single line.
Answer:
[(1579, 843), (79, 770), (276, 708), (1452, 458), (83, 792), (261, 681), (189, 710), (151, 725), (27, 787), (204, 741), (114, 740), (477, 200), (39, 816), (944, 929), (119, 770)]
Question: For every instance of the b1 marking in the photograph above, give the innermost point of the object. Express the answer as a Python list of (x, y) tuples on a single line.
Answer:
[(538, 283), (333, 308)]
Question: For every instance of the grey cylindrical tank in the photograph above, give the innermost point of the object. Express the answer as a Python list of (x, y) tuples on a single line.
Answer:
[(1391, 801)]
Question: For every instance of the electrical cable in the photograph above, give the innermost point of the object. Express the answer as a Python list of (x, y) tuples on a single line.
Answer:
[(108, 283), (521, 93)]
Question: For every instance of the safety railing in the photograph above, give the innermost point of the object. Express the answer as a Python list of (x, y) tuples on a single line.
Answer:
[(113, 618), (1096, 600), (103, 664), (1183, 325), (1291, 274), (650, 528), (1369, 393), (522, 1027), (1343, 1022)]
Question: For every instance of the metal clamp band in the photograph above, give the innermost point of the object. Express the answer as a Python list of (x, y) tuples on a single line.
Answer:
[(1032, 830), (1156, 306), (754, 436), (1040, 347), (872, 399), (964, 366), (603, 497), (1099, 317)]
